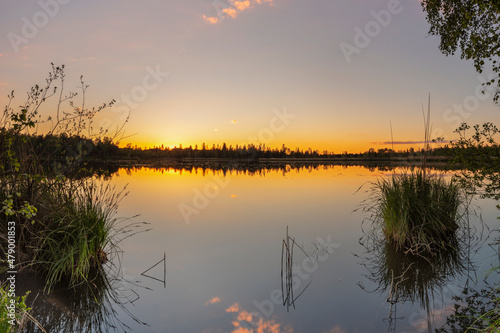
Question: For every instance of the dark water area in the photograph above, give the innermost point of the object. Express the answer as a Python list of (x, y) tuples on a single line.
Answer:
[(213, 258)]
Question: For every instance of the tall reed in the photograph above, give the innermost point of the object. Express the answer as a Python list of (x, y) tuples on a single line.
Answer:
[(417, 210)]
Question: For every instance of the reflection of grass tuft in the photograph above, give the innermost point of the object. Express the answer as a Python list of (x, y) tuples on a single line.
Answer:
[(414, 277), (99, 306)]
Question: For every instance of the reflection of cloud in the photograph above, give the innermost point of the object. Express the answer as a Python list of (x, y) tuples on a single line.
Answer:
[(213, 301), (336, 329), (437, 316), (233, 9), (242, 330), (233, 308), (245, 316), (246, 322)]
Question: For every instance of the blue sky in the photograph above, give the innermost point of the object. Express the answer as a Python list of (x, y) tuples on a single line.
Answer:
[(226, 69)]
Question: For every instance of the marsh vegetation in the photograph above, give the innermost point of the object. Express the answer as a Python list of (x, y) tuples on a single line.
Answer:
[(65, 226)]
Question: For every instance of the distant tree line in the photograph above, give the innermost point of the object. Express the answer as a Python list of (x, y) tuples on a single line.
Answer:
[(252, 152), (68, 150)]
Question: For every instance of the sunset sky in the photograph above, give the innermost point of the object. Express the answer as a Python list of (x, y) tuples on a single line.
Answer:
[(326, 74)]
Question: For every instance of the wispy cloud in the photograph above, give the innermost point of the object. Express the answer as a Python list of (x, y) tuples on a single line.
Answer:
[(231, 12), (231, 9), (211, 19), (242, 5), (214, 300), (80, 59), (401, 142), (398, 142)]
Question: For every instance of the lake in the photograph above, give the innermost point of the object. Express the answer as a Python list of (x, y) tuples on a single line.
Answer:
[(222, 236)]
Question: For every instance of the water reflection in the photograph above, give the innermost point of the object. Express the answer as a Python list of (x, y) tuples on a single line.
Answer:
[(238, 319), (288, 278), (253, 169), (89, 307), (223, 273), (474, 311), (405, 277)]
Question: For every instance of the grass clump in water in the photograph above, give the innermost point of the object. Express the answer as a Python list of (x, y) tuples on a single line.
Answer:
[(417, 211), (76, 231)]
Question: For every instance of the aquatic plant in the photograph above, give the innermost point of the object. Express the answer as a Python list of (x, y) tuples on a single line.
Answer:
[(474, 311), (417, 278), (63, 225), (14, 316), (417, 211), (75, 232)]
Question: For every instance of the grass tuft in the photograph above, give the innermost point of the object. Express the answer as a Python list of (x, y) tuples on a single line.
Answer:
[(417, 211), (76, 231)]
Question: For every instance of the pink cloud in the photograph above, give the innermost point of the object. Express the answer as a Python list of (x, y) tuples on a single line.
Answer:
[(211, 19), (231, 12), (233, 8), (241, 5)]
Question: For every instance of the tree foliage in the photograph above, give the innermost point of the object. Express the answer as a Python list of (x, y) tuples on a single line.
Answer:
[(473, 26), (479, 156)]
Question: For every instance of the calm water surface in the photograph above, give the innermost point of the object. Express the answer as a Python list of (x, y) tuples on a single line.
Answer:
[(222, 237)]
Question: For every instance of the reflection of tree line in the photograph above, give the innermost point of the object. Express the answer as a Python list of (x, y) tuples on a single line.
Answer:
[(107, 170)]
